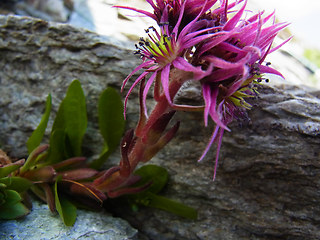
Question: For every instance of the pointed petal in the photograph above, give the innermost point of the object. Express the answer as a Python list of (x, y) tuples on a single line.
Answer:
[(265, 69), (142, 65), (131, 88), (206, 93), (139, 11), (165, 82), (182, 64), (212, 139), (235, 19), (280, 45), (146, 90), (217, 153), (215, 115)]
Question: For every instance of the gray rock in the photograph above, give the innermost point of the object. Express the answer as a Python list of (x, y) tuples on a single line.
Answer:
[(42, 224), (268, 179)]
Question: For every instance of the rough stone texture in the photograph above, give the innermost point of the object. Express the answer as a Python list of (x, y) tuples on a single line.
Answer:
[(268, 179), (41, 224), (37, 58)]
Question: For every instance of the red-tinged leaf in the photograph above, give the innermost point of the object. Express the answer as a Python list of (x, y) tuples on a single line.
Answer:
[(44, 174), (125, 145), (32, 159), (79, 174), (157, 129), (106, 175), (49, 196), (71, 163), (11, 167), (131, 190), (84, 190), (153, 150)]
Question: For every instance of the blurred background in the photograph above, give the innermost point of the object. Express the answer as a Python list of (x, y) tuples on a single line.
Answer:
[(299, 60)]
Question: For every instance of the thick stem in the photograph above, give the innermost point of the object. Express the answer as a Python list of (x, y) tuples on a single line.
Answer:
[(137, 154)]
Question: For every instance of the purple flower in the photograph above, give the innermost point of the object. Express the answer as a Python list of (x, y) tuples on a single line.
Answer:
[(225, 54), (166, 49)]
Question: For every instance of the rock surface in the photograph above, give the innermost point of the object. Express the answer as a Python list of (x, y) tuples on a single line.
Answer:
[(268, 179), (41, 224)]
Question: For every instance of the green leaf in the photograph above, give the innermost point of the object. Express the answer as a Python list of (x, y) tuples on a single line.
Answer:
[(66, 210), (12, 210), (111, 123), (12, 196), (159, 177), (57, 147), (16, 183), (37, 135), (72, 117), (155, 174), (152, 200), (6, 170)]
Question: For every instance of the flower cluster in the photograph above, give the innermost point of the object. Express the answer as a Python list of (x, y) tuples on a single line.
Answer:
[(213, 42)]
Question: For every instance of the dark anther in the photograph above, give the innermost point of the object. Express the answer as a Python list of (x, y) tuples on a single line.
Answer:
[(259, 80), (141, 39), (165, 35), (147, 44), (137, 52), (146, 30), (165, 43), (267, 80), (141, 43), (163, 23), (151, 56), (158, 45), (136, 45), (268, 63)]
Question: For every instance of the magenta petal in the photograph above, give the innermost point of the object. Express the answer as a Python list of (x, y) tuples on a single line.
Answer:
[(131, 88), (186, 29), (139, 11), (280, 45), (146, 90), (215, 115), (182, 64), (235, 19), (176, 27), (265, 69), (142, 65), (217, 153), (223, 74), (236, 85), (212, 139), (193, 34), (221, 63), (216, 39), (165, 82), (206, 93)]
